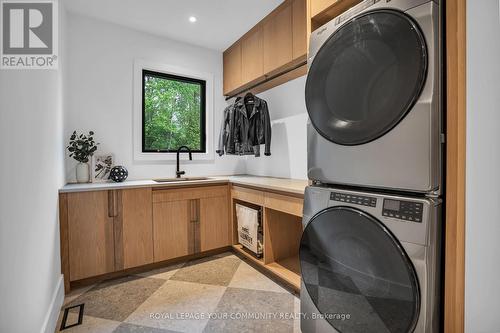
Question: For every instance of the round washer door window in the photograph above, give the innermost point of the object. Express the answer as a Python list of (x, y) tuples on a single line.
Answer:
[(366, 77), (357, 274)]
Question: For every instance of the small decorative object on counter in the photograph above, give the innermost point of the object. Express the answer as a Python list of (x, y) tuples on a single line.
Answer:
[(81, 147), (101, 167), (118, 174)]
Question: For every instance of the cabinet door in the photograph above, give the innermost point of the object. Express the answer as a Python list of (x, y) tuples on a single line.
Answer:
[(300, 30), (214, 223), (134, 228), (232, 68), (90, 234), (252, 53), (170, 229), (277, 30)]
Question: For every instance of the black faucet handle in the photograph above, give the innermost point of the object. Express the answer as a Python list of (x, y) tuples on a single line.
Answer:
[(180, 173)]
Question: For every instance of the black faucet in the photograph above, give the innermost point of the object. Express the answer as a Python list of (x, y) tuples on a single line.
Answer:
[(178, 172)]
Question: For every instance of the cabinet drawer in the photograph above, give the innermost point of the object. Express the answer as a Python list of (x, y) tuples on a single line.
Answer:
[(284, 203), (189, 193), (248, 195)]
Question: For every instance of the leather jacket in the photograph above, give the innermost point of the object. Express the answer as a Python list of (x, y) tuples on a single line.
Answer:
[(226, 142), (252, 126), (226, 137)]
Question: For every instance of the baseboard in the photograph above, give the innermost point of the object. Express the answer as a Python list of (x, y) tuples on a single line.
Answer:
[(50, 322)]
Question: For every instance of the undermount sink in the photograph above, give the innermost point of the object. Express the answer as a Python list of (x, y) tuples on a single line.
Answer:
[(171, 180)]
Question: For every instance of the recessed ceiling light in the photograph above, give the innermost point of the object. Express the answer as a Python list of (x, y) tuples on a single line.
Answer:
[(192, 19)]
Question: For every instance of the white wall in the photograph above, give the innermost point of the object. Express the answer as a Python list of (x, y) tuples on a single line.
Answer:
[(100, 92), (289, 140), (482, 292), (31, 172)]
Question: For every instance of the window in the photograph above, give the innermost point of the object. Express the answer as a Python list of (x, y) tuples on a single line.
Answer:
[(173, 113)]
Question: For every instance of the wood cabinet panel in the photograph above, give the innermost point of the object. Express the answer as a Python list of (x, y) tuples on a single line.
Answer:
[(300, 28), (214, 223), (134, 226), (170, 229), (283, 203), (317, 6), (232, 68), (278, 41), (252, 55), (248, 195), (189, 193), (323, 11), (90, 235)]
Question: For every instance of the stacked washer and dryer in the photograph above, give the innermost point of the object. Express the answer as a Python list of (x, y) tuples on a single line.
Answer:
[(370, 252)]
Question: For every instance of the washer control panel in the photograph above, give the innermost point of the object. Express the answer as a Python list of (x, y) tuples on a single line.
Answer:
[(403, 210), (354, 199)]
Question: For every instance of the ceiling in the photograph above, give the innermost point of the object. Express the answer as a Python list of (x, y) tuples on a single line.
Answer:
[(219, 22)]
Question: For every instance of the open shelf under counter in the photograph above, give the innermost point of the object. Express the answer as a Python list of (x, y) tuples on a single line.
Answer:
[(282, 229), (288, 269), (241, 249)]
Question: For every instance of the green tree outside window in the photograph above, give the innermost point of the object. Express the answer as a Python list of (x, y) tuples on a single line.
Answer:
[(173, 113)]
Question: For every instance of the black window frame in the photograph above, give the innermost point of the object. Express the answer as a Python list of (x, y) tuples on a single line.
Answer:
[(203, 112)]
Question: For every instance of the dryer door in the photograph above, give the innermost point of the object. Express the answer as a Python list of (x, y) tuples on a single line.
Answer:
[(366, 77), (352, 265)]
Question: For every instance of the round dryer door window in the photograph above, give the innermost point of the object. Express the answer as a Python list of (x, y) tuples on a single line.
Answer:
[(366, 77), (351, 265)]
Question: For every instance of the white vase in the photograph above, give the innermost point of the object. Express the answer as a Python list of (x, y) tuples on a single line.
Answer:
[(82, 172)]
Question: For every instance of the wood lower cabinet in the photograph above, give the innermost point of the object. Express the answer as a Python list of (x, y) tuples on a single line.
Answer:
[(114, 230), (214, 223), (134, 228), (90, 234), (170, 229), (190, 220)]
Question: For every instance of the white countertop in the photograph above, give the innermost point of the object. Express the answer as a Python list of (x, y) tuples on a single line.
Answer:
[(295, 186)]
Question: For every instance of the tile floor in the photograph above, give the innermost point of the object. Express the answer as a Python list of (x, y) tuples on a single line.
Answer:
[(204, 295)]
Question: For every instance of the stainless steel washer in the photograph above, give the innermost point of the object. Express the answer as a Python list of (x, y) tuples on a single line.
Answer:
[(369, 262), (373, 97)]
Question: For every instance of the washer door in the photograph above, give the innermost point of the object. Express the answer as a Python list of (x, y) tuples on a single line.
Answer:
[(352, 265), (366, 77)]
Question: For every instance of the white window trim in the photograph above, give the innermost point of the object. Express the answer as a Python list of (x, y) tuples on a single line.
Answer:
[(139, 65)]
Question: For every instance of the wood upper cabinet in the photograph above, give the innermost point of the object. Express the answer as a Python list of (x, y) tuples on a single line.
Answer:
[(134, 228), (214, 223), (171, 221), (300, 28), (232, 68), (273, 52), (278, 39), (252, 55), (90, 233)]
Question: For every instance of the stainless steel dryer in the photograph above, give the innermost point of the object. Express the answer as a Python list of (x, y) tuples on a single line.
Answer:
[(369, 262), (373, 97)]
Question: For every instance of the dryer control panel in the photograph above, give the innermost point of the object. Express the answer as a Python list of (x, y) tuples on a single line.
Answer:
[(404, 210), (355, 199)]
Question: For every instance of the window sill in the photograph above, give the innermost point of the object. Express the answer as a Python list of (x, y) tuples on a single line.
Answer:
[(140, 156)]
